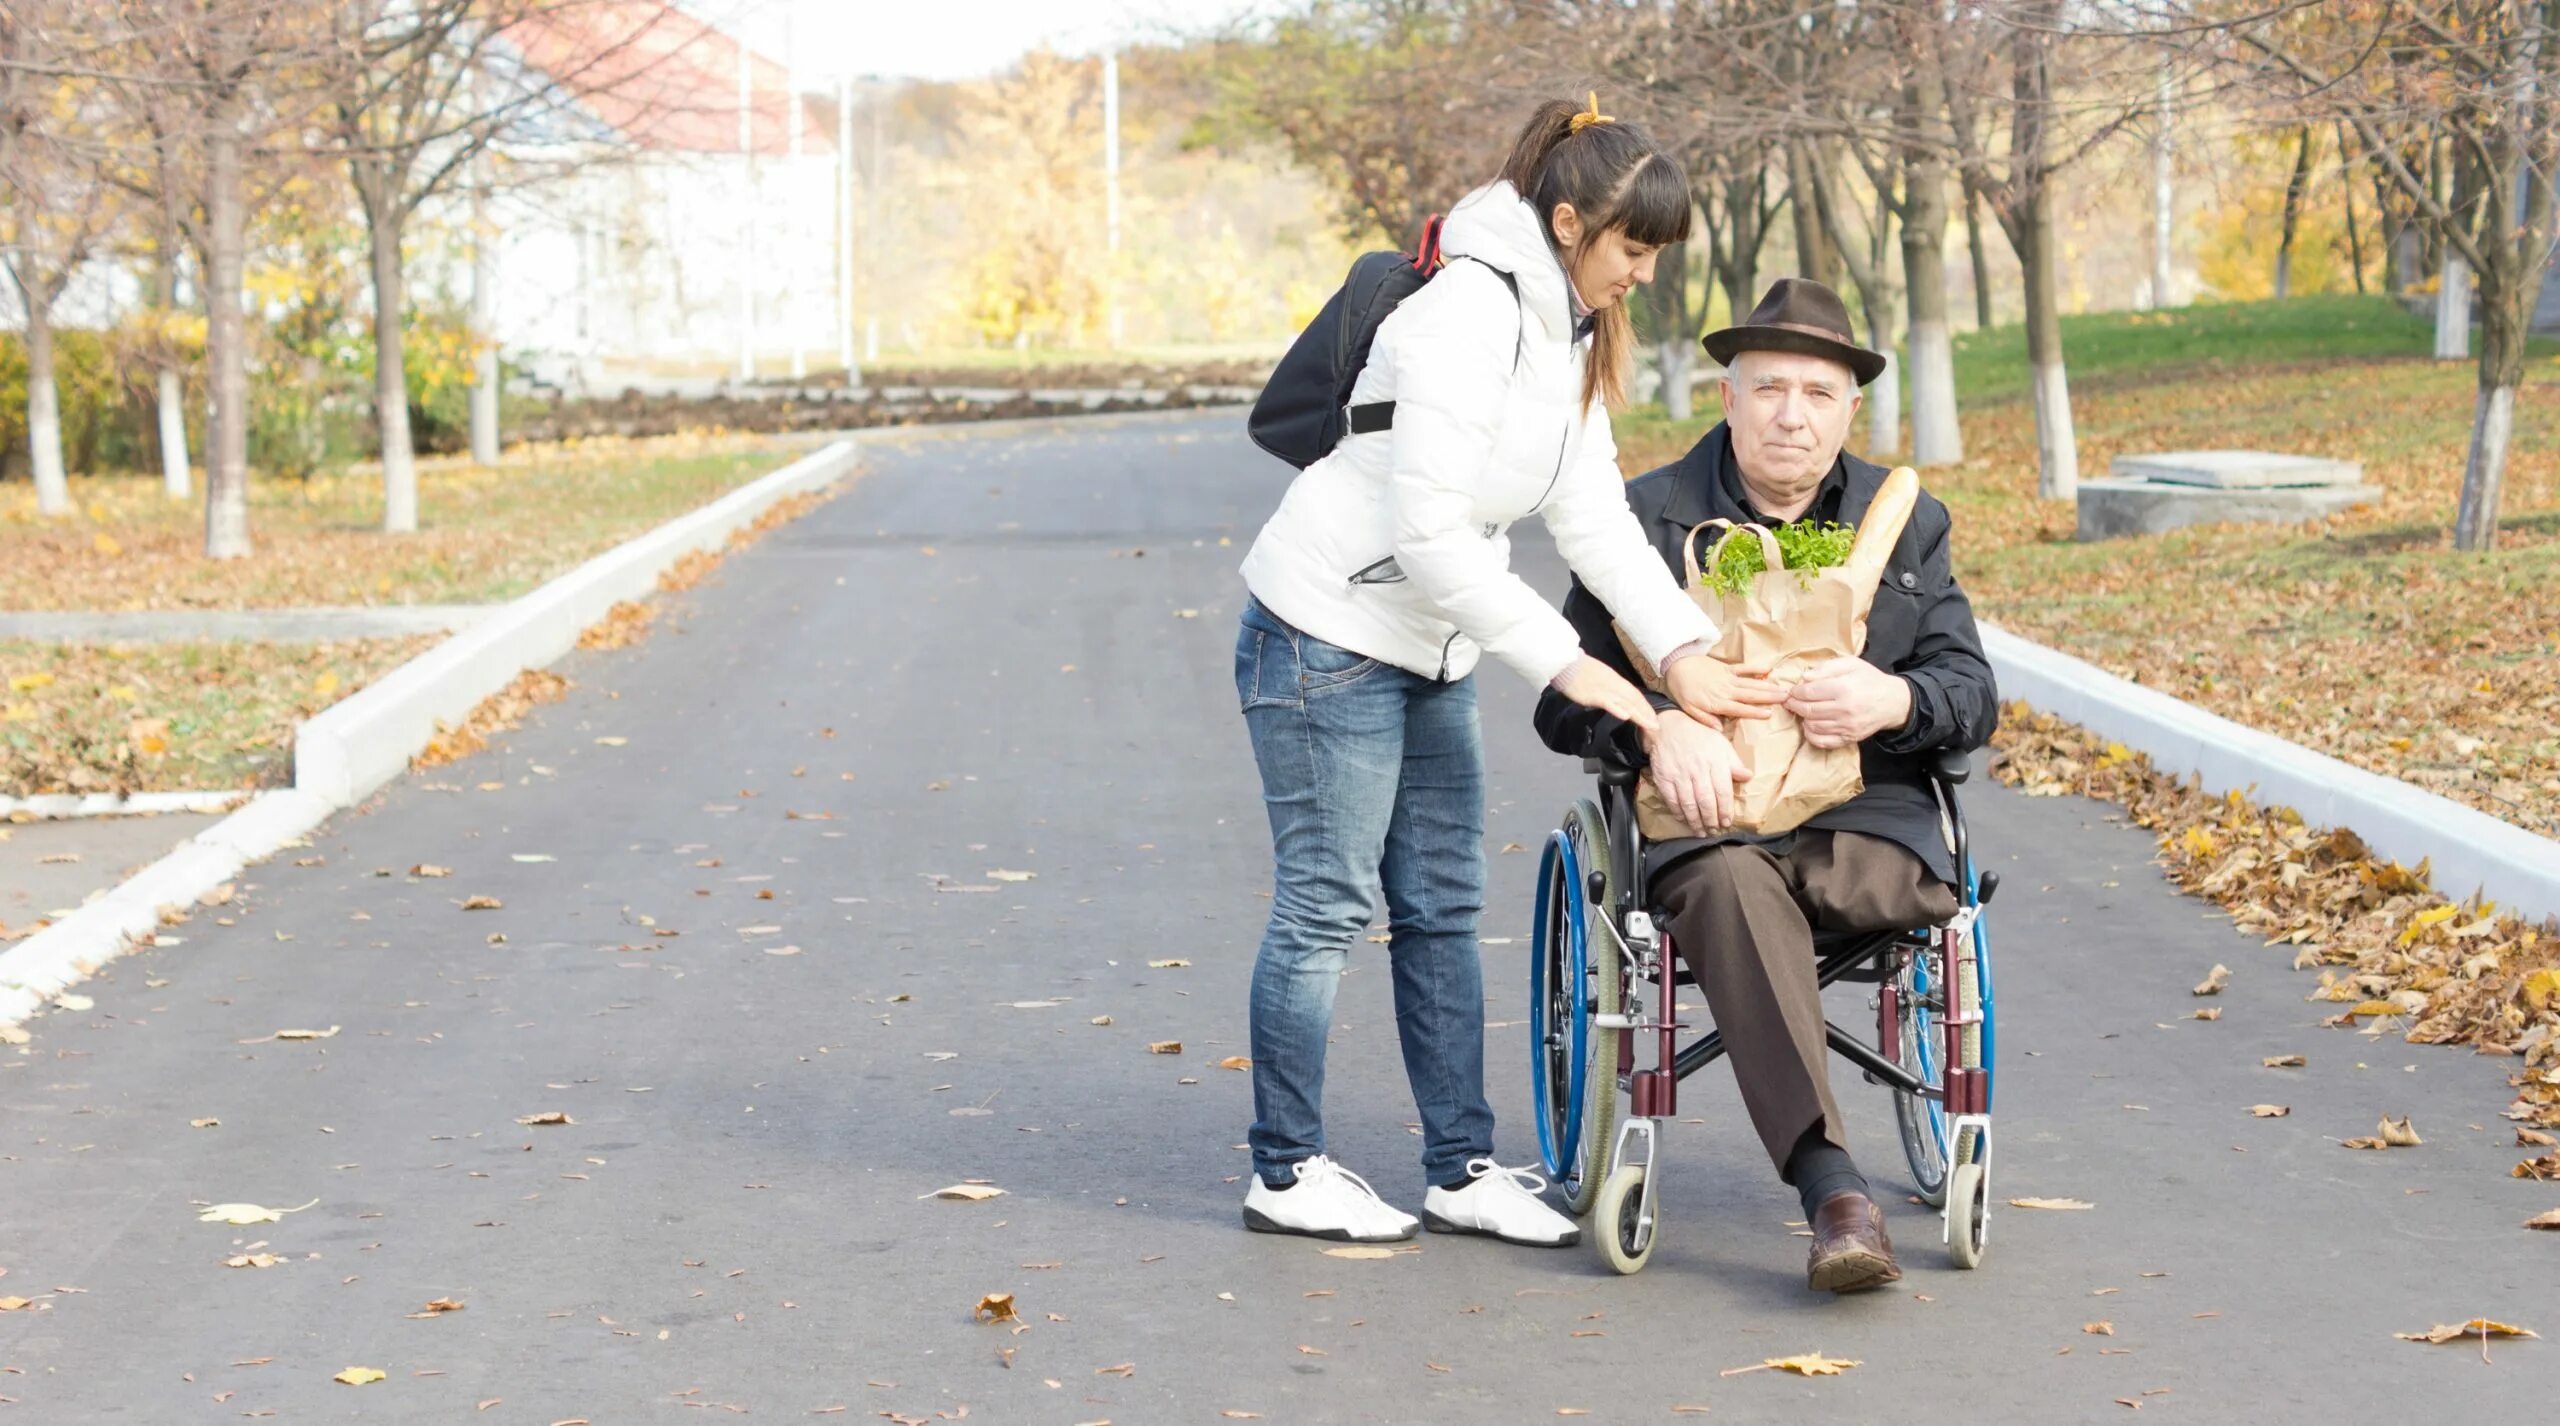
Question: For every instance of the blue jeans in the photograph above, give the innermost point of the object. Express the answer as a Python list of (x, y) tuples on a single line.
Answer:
[(1374, 780)]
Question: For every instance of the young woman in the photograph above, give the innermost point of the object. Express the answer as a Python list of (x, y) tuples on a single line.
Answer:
[(1382, 576)]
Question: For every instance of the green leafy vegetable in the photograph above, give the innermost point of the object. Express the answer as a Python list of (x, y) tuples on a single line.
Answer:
[(1805, 545)]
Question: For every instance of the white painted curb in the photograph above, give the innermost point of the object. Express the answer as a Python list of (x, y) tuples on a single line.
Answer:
[(59, 805), (354, 747), (348, 751), (2470, 849), (65, 953)]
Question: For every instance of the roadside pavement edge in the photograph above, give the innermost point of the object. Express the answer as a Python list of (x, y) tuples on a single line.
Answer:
[(348, 751)]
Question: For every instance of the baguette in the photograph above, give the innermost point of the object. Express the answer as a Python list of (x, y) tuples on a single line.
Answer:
[(1882, 527)]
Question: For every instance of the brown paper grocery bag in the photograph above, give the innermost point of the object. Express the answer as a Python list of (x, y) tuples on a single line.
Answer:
[(1790, 620)]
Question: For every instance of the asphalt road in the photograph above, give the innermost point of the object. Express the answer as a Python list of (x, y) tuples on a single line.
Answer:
[(762, 943)]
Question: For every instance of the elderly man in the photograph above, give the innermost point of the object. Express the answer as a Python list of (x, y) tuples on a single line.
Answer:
[(1743, 910)]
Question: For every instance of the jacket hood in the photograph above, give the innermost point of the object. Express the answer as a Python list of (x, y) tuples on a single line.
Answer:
[(1497, 227)]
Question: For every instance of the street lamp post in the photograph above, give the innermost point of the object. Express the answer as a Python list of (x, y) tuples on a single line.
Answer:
[(1111, 190), (746, 213), (844, 232)]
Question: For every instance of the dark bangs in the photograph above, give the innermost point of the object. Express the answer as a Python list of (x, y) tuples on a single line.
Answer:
[(1653, 206)]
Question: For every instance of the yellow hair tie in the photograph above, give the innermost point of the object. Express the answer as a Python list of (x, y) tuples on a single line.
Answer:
[(1591, 115)]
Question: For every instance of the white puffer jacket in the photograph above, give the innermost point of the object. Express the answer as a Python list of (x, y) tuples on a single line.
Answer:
[(1395, 545)]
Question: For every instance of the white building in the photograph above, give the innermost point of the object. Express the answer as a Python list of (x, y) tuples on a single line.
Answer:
[(655, 235)]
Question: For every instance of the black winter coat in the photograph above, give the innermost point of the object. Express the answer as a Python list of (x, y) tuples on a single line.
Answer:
[(1922, 629)]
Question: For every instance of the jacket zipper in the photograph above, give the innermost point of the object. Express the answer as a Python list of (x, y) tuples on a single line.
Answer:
[(1555, 475)]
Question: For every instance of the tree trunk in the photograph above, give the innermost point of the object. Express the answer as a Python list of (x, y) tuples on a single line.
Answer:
[(1936, 438), (2453, 308), (1676, 333), (2057, 448), (484, 313), (44, 407), (226, 485), (173, 434), (1872, 272), (2294, 188), (1981, 258), (172, 397), (391, 375), (1884, 396), (2504, 307), (1741, 275), (2347, 194), (1817, 255), (2163, 188)]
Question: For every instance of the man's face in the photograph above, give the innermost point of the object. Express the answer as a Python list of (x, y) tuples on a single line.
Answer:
[(1789, 415)]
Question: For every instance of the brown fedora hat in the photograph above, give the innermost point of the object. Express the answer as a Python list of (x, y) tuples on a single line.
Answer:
[(1798, 315)]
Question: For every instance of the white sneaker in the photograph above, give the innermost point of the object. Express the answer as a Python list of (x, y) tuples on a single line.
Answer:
[(1499, 1203), (1328, 1201)]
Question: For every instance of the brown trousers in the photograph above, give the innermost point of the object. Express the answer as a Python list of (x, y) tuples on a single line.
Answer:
[(1744, 919)]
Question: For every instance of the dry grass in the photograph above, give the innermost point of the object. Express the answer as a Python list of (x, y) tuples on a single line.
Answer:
[(125, 718), (486, 533), (170, 716)]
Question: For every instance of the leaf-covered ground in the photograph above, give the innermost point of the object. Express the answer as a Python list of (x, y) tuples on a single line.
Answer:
[(122, 718), (485, 533), (2395, 956), (2367, 637)]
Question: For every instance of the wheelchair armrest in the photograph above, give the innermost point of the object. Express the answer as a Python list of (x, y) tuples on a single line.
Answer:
[(1611, 771), (1951, 765)]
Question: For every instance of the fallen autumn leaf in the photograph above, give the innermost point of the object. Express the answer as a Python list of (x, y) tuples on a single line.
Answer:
[(966, 1192), (2476, 1327)]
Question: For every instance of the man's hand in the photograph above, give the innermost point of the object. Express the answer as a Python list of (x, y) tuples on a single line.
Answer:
[(1842, 702), (1708, 688), (1695, 770)]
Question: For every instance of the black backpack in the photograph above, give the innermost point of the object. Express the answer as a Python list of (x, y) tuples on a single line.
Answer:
[(1303, 411)]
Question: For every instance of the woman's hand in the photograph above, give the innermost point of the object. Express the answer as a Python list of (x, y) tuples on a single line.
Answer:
[(1708, 688), (1594, 684), (1695, 769)]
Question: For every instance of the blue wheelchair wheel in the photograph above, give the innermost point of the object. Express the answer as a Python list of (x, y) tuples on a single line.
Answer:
[(1559, 1015)]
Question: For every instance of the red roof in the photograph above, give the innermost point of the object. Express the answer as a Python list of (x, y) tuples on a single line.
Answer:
[(665, 79)]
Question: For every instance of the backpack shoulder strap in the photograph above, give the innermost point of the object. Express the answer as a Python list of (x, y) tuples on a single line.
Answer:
[(1372, 417)]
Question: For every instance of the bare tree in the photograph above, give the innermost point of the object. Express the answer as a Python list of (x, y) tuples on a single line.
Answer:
[(59, 211), (211, 89), (415, 92), (1864, 241), (1400, 104), (2054, 120), (2478, 80)]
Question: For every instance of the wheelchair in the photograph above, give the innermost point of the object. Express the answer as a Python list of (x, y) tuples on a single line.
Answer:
[(1605, 1062)]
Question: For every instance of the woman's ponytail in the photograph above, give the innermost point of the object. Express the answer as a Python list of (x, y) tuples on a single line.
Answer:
[(1618, 181), (1551, 125)]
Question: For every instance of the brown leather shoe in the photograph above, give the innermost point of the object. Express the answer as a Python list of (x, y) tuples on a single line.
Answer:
[(1850, 1250)]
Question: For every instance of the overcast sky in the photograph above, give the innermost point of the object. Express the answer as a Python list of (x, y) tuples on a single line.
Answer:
[(953, 39)]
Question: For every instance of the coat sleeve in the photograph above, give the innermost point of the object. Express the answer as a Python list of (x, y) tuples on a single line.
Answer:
[(1604, 544), (1453, 352), (1955, 702)]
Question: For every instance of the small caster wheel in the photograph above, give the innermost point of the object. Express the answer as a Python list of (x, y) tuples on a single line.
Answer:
[(1968, 1215), (1626, 1232)]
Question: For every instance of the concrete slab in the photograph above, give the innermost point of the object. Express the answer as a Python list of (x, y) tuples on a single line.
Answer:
[(2237, 470), (48, 869), (264, 626), (2112, 508)]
